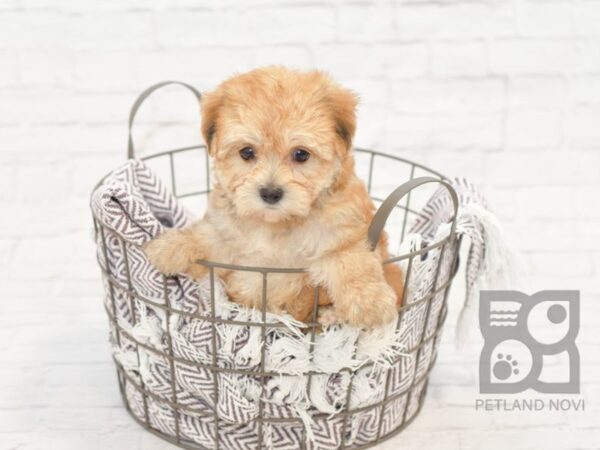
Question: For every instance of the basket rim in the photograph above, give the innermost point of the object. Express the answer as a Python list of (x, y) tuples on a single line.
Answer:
[(449, 239)]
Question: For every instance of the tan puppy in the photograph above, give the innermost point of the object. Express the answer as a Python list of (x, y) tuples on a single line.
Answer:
[(286, 195)]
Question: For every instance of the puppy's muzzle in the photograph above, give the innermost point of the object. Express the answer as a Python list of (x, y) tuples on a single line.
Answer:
[(271, 194)]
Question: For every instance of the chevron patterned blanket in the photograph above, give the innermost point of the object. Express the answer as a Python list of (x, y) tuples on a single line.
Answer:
[(133, 206)]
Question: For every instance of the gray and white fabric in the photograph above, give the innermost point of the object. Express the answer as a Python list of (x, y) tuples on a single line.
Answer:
[(491, 262), (133, 206)]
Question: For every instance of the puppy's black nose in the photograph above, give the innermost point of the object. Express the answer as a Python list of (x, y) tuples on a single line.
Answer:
[(271, 194)]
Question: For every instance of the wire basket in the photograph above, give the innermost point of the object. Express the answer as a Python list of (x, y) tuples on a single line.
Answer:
[(163, 410)]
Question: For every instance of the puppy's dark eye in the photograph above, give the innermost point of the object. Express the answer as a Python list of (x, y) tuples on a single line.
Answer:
[(247, 153), (300, 155)]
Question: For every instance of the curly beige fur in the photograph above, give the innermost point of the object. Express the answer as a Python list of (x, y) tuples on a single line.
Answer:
[(321, 220)]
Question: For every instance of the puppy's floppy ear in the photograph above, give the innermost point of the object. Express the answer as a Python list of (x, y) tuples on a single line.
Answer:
[(343, 106), (211, 104)]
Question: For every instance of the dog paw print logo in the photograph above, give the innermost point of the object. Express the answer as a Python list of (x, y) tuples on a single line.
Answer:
[(529, 342)]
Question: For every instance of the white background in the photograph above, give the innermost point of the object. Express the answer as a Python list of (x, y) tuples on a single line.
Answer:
[(506, 93)]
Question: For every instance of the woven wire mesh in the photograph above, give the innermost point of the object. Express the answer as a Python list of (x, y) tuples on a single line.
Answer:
[(386, 416)]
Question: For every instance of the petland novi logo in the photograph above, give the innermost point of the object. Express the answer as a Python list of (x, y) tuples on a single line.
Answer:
[(529, 343)]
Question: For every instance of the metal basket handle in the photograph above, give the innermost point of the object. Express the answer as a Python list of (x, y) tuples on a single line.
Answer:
[(143, 96), (385, 209)]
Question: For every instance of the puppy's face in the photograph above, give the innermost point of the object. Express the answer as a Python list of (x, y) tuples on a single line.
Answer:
[(280, 139)]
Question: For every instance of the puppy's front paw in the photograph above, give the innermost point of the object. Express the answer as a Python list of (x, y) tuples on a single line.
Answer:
[(171, 254), (367, 305), (164, 257), (327, 316)]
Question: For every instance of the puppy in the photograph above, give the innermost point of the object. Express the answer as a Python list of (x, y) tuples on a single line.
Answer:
[(286, 195)]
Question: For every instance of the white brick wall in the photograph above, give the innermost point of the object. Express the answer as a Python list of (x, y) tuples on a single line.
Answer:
[(505, 92)]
